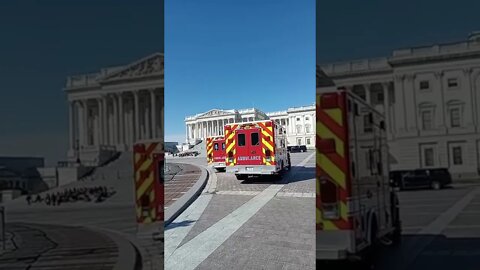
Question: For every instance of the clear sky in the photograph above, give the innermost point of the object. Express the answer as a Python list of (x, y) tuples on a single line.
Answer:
[(352, 29), (41, 44), (236, 54)]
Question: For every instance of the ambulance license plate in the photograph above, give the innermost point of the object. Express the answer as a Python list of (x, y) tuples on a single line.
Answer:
[(249, 169)]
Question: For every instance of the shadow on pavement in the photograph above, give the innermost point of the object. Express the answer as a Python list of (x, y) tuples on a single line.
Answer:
[(179, 224), (297, 174), (433, 251), (421, 252)]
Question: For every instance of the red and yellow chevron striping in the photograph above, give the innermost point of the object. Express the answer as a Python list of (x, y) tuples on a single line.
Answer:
[(209, 150), (230, 159), (148, 189), (331, 124)]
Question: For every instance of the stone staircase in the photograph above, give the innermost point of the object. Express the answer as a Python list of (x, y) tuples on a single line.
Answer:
[(200, 148)]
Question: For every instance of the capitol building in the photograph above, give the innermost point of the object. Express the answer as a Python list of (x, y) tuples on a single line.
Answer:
[(430, 97), (114, 107), (299, 122)]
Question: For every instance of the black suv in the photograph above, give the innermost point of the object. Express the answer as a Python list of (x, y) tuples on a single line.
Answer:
[(303, 148), (294, 149), (421, 178)]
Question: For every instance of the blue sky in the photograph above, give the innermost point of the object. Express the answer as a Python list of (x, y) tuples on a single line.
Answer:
[(232, 54), (352, 29), (41, 44)]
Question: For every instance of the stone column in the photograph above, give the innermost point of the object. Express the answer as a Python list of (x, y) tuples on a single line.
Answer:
[(85, 123), (412, 117), (386, 105), (470, 119), (153, 105), (105, 127), (99, 130), (367, 93), (71, 108), (399, 105), (121, 120), (442, 118), (136, 134), (115, 120)]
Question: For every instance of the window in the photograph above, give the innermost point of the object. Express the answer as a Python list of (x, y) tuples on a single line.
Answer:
[(283, 122), (428, 157), (457, 155), (241, 139), (308, 141), (452, 82), (299, 141), (307, 128), (427, 122), (223, 146), (424, 85), (380, 97), (298, 118), (215, 146), (299, 128), (455, 117), (367, 125), (254, 138), (307, 118)]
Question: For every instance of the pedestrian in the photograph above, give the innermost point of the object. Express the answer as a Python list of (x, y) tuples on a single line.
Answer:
[(29, 199), (48, 199), (54, 199)]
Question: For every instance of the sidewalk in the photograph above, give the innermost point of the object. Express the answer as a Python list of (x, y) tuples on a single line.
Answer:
[(182, 188), (35, 246)]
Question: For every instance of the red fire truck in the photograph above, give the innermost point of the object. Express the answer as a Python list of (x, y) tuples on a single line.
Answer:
[(256, 148), (357, 207), (216, 152)]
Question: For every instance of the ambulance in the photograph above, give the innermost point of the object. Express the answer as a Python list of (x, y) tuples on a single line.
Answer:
[(256, 148), (148, 167), (216, 152), (356, 205)]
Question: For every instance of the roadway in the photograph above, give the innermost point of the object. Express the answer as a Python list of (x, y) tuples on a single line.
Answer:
[(441, 230), (256, 224)]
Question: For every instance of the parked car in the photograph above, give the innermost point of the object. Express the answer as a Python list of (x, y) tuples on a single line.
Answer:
[(303, 148), (294, 149), (421, 178)]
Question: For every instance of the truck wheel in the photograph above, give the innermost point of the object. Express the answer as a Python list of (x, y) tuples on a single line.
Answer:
[(436, 185), (241, 176), (368, 261)]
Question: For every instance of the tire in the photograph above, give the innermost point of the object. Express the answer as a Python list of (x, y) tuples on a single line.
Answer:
[(368, 260), (241, 176), (436, 185)]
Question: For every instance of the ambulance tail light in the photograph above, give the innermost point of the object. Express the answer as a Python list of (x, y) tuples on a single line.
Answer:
[(329, 198), (209, 156), (230, 157)]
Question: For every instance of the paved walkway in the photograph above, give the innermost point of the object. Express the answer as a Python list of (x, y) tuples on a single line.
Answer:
[(248, 224), (37, 247), (180, 178)]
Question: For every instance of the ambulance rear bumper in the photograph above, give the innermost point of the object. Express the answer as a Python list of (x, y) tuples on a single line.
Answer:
[(334, 245), (218, 165), (253, 169)]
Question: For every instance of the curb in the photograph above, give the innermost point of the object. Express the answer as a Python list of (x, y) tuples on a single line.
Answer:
[(128, 256), (172, 212)]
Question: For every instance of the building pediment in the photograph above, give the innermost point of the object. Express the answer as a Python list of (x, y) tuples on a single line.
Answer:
[(215, 112), (152, 65)]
